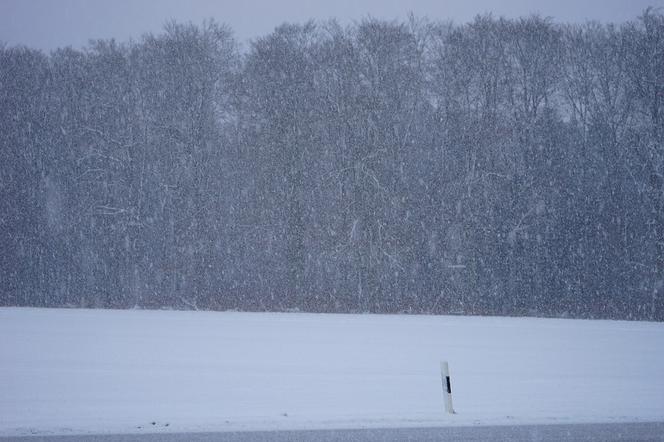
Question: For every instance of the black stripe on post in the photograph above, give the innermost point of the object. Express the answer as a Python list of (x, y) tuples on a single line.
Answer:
[(449, 386)]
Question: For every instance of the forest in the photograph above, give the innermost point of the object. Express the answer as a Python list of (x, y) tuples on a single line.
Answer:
[(497, 167)]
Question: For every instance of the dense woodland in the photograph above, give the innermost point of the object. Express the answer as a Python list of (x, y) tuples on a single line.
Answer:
[(503, 167)]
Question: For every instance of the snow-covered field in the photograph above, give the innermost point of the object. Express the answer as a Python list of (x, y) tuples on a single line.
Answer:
[(95, 371)]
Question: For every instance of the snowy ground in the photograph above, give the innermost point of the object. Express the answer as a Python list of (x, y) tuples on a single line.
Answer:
[(95, 371)]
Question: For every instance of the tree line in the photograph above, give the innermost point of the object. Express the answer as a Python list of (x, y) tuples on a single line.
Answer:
[(503, 166)]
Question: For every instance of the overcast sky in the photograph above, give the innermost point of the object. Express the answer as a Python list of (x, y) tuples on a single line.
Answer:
[(47, 24)]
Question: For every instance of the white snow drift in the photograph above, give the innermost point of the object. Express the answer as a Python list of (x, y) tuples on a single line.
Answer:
[(93, 371)]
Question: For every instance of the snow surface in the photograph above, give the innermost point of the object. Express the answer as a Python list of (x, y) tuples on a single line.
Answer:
[(102, 371)]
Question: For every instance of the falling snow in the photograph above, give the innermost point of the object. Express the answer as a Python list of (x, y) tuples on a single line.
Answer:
[(503, 166)]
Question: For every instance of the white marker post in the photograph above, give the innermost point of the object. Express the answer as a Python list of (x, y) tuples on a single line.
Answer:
[(447, 387)]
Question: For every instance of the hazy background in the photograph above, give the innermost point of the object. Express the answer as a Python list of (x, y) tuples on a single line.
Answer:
[(48, 24)]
